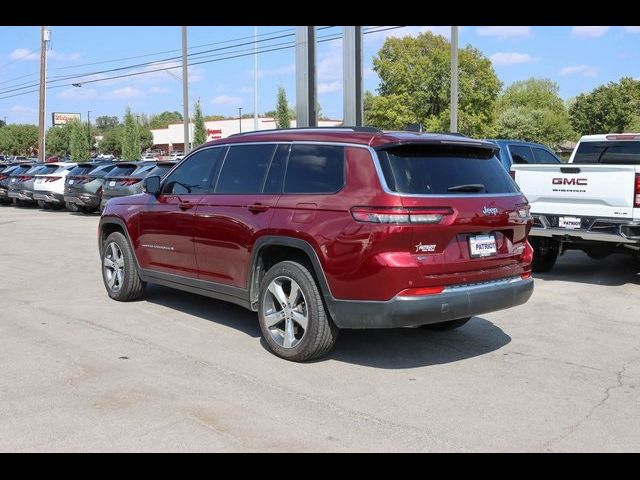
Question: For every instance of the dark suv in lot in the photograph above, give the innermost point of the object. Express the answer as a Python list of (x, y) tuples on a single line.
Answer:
[(322, 229)]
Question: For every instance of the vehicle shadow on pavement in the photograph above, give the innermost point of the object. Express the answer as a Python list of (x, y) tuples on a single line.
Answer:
[(576, 266), (400, 348), (217, 311)]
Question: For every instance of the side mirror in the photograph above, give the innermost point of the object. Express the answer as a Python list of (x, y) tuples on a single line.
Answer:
[(151, 185)]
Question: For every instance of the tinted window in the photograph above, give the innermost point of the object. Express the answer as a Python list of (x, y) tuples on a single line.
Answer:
[(20, 170), (521, 154), (244, 169), (122, 171), (102, 171), (143, 170), (621, 152), (42, 169), (81, 169), (273, 183), (194, 175), (542, 156), (160, 170), (315, 169), (415, 169)]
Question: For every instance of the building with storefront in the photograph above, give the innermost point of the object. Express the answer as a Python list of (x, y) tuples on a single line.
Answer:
[(171, 139)]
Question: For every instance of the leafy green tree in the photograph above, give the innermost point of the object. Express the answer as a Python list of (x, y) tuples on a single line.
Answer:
[(58, 140), (162, 120), (131, 148), (199, 128), (415, 84), (146, 138), (18, 139), (105, 122), (607, 108), (78, 142), (111, 142), (2, 123), (532, 110), (283, 115), (211, 118)]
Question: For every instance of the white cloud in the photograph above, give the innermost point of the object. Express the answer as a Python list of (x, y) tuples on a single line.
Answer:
[(227, 100), (53, 55), (23, 54), (77, 94), (330, 63), (329, 87), (632, 29), (504, 32), (511, 58), (272, 72), (589, 32), (22, 109), (584, 70), (125, 93), (158, 90)]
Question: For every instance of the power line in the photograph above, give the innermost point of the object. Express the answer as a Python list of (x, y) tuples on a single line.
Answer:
[(320, 40)]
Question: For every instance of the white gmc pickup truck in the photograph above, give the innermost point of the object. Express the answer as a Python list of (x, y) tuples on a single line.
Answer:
[(592, 203)]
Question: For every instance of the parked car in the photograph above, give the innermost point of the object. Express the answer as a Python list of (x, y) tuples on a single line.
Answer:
[(21, 183), (592, 203), (5, 177), (321, 229), (48, 186), (83, 186), (518, 152), (126, 179)]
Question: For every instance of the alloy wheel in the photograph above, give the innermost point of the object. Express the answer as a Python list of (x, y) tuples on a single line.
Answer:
[(285, 312)]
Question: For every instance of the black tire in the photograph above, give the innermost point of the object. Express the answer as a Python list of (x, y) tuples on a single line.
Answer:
[(448, 325), (545, 253), (321, 333), (42, 204), (86, 210), (72, 207), (129, 286)]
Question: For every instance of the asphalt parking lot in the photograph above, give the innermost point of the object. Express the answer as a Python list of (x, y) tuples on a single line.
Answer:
[(179, 372)]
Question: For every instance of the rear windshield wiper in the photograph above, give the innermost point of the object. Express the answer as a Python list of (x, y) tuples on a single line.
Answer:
[(469, 187)]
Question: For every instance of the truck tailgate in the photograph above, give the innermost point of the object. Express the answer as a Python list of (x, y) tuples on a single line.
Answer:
[(579, 189)]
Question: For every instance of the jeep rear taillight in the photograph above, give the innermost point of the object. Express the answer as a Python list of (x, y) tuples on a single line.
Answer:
[(636, 195), (399, 215), (527, 253)]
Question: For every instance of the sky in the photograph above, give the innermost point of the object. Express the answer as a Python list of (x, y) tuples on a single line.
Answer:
[(577, 58)]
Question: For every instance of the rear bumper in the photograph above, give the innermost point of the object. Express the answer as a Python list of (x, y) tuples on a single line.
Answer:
[(83, 199), (48, 197), (21, 195), (453, 303), (612, 230)]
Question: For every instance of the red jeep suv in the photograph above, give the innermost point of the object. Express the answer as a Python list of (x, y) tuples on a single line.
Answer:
[(318, 229)]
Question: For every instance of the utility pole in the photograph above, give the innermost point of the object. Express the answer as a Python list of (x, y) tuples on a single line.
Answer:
[(306, 78), (352, 76), (89, 129), (240, 117), (255, 78), (185, 91), (454, 80), (45, 36)]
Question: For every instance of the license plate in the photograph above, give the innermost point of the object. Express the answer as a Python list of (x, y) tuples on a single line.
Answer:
[(70, 182), (571, 223), (13, 180), (112, 183), (482, 246)]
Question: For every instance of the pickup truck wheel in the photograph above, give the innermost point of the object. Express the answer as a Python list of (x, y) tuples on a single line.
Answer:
[(545, 253), (448, 325), (119, 272), (292, 315)]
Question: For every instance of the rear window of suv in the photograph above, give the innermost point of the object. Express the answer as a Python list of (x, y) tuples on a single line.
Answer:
[(122, 171), (443, 170), (82, 169), (620, 152)]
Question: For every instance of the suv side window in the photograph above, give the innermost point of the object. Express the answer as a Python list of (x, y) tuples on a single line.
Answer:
[(521, 154), (193, 177), (315, 169), (543, 156), (273, 182), (244, 168)]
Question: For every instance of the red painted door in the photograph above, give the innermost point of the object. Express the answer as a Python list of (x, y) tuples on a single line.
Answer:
[(229, 220), (167, 223)]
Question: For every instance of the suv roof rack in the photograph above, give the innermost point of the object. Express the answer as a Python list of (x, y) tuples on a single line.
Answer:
[(296, 129)]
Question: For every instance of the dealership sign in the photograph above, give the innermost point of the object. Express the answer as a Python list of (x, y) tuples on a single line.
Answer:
[(214, 133), (60, 118)]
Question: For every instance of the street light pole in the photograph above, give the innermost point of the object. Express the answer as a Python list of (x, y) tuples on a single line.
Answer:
[(185, 91), (240, 117), (45, 36)]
